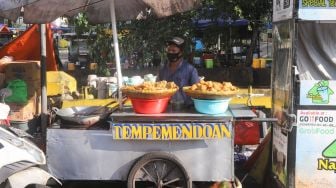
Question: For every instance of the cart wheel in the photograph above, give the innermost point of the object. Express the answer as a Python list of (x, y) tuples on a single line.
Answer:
[(158, 170)]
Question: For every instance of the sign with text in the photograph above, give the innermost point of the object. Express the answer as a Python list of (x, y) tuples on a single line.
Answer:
[(316, 149), (317, 9), (282, 10), (318, 92), (170, 131)]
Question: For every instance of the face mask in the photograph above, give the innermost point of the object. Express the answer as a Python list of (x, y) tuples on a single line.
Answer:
[(173, 57)]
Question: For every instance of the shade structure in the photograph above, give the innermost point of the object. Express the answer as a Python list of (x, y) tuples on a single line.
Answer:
[(98, 11)]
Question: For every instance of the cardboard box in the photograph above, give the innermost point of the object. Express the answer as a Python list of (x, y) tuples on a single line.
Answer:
[(34, 88), (23, 112), (24, 70)]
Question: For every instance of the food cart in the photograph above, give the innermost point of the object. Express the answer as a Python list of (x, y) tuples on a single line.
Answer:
[(139, 147), (303, 86), (168, 146)]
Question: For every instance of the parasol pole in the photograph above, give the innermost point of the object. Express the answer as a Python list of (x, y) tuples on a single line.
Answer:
[(44, 109), (116, 50)]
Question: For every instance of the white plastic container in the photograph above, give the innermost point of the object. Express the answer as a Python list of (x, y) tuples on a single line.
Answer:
[(92, 80), (135, 80), (150, 78), (112, 79), (4, 111), (102, 87)]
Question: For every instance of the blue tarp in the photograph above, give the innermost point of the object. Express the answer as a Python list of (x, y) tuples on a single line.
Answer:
[(204, 23), (199, 46)]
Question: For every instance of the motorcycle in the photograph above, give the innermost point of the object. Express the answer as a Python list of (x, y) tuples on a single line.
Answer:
[(21, 161)]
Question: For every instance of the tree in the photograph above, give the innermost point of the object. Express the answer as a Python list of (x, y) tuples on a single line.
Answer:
[(148, 36), (256, 11)]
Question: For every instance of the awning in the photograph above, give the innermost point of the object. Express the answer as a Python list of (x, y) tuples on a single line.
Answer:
[(4, 29), (219, 22), (98, 11)]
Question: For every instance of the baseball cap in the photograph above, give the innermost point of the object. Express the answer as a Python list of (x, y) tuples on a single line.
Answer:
[(177, 41)]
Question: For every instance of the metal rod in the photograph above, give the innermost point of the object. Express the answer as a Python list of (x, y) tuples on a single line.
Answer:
[(116, 51), (44, 110)]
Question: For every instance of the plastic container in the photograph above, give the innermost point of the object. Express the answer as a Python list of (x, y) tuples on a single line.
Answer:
[(59, 82), (135, 80), (92, 80), (4, 111), (71, 66), (149, 78), (149, 106), (262, 63), (211, 106), (197, 61), (93, 66), (208, 63), (256, 63)]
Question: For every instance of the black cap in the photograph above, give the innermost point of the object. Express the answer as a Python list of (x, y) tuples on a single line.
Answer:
[(177, 41)]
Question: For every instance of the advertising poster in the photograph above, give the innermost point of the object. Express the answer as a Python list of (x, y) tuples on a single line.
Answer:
[(317, 9), (279, 154), (318, 92), (282, 10), (316, 149)]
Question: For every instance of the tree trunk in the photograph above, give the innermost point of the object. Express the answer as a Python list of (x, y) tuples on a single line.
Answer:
[(249, 55)]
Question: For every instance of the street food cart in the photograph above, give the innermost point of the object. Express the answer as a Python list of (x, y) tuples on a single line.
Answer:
[(135, 147), (303, 86)]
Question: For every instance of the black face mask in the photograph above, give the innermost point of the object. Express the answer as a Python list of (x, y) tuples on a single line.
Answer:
[(173, 57)]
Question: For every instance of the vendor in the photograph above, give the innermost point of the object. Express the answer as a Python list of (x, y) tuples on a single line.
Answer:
[(178, 70)]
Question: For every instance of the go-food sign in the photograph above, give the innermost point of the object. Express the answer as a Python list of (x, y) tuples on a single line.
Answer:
[(316, 148)]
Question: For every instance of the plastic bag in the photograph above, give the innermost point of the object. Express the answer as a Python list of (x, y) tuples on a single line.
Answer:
[(19, 91), (246, 133)]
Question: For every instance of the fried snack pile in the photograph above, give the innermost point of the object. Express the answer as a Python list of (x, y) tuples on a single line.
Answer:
[(216, 87), (152, 87)]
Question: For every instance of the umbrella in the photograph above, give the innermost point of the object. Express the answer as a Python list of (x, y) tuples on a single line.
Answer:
[(98, 11)]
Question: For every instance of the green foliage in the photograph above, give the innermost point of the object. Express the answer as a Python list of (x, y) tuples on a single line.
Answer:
[(81, 24), (100, 47), (148, 36)]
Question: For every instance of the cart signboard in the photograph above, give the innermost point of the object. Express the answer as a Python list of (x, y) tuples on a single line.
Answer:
[(317, 9), (318, 92), (316, 149), (170, 131), (282, 10)]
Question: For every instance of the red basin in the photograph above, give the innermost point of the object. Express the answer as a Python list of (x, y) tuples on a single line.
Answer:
[(149, 106)]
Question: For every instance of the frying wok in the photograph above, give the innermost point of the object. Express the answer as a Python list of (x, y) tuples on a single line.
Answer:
[(83, 115)]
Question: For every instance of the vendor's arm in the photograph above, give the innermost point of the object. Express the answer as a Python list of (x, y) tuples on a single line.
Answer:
[(194, 78), (160, 75)]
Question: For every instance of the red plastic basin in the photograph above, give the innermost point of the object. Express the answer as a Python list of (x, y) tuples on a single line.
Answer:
[(149, 106)]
